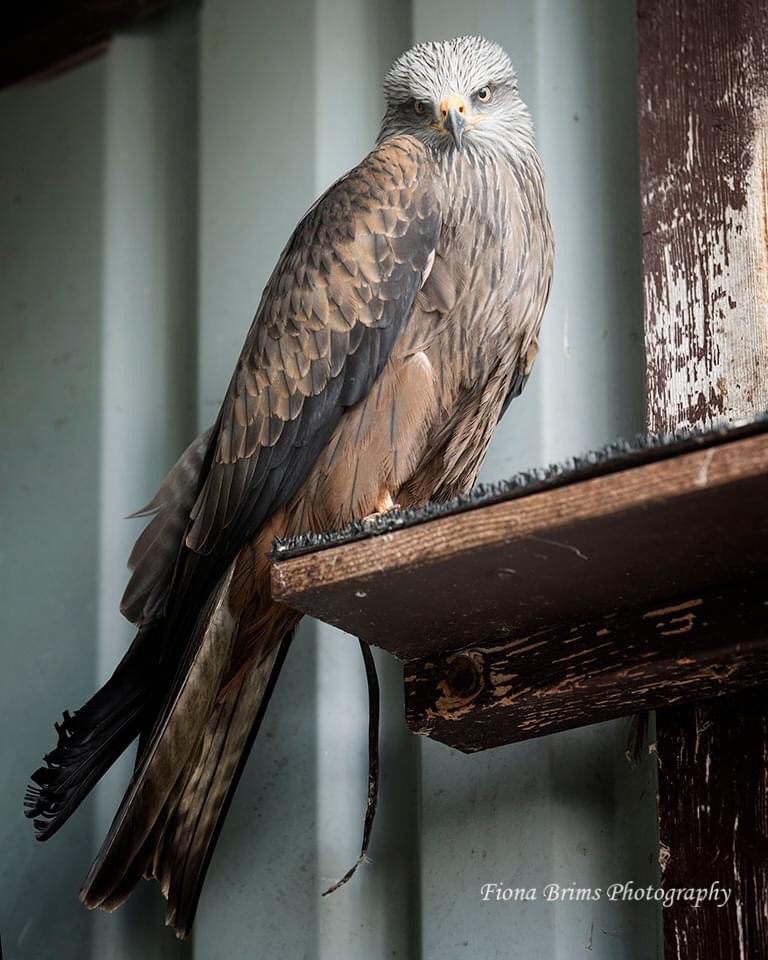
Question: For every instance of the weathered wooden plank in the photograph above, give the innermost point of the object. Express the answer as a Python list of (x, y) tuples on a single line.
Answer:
[(699, 646), (703, 95), (43, 36), (577, 552), (713, 825), (703, 99)]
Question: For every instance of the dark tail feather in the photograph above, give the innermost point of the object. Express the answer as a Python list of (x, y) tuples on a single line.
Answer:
[(179, 846), (91, 739), (169, 818), (191, 833), (174, 740)]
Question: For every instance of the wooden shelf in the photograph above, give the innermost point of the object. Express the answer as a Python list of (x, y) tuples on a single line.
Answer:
[(637, 587)]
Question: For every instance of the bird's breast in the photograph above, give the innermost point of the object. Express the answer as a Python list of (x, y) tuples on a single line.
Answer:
[(496, 245)]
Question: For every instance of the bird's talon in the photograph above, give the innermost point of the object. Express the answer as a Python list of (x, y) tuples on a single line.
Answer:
[(386, 505)]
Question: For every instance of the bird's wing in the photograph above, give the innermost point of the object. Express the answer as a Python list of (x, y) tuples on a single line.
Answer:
[(154, 555), (340, 294)]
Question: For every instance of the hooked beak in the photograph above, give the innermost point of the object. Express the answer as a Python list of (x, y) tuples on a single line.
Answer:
[(453, 118)]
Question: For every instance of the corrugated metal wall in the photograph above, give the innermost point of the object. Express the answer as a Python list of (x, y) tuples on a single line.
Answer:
[(50, 311), (145, 199)]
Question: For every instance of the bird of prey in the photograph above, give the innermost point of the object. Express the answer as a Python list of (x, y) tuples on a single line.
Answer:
[(400, 320)]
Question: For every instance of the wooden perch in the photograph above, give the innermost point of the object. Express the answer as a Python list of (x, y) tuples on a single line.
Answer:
[(548, 611)]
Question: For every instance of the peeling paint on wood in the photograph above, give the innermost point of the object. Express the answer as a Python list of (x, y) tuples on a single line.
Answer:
[(713, 815), (703, 95), (703, 101), (568, 676)]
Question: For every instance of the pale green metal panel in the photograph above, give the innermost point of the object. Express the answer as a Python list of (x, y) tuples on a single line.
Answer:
[(50, 312), (148, 359), (97, 305), (257, 165)]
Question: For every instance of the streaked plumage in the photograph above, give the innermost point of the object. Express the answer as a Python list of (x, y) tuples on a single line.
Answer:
[(401, 318)]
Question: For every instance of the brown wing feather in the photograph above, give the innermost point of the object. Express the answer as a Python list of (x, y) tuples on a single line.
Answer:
[(153, 557), (340, 295)]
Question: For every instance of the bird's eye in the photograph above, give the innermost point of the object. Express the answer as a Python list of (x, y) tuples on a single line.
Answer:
[(484, 95), (420, 107)]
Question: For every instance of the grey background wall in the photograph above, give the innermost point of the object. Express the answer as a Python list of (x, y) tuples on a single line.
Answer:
[(49, 526), (145, 197)]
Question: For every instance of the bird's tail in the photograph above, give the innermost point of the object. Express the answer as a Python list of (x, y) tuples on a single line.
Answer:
[(91, 739), (184, 848), (170, 818)]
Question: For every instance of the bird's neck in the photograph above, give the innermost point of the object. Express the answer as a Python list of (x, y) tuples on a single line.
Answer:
[(514, 149)]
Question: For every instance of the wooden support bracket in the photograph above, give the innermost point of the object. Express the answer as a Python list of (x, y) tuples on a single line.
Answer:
[(695, 648), (647, 585)]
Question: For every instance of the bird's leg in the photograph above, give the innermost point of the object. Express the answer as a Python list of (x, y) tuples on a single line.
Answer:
[(383, 504), (530, 356)]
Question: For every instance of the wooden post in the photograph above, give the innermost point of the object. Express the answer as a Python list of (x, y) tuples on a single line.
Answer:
[(713, 822), (703, 99)]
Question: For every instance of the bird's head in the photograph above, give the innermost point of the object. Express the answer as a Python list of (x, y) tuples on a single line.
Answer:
[(455, 94)]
